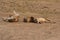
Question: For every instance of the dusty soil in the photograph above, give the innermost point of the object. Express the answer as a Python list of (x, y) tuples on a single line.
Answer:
[(31, 31)]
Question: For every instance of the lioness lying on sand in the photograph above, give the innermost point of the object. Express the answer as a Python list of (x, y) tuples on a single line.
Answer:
[(12, 18), (43, 20)]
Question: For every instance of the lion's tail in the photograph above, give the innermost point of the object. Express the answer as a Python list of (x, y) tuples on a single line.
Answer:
[(49, 21)]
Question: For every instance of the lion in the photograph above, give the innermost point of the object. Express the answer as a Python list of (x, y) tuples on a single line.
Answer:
[(8, 19), (28, 19), (12, 18), (43, 20)]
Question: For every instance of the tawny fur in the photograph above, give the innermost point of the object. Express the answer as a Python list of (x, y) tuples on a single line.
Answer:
[(42, 20), (12, 18), (28, 19), (16, 16)]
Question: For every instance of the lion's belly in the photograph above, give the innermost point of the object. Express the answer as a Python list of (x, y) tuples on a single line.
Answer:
[(41, 20)]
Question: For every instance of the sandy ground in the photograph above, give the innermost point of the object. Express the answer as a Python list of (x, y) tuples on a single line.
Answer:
[(31, 31)]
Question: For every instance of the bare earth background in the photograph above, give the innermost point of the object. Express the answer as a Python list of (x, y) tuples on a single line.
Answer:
[(30, 31)]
